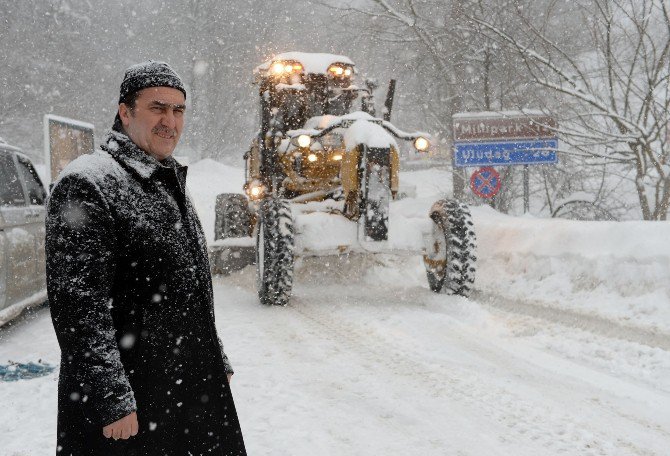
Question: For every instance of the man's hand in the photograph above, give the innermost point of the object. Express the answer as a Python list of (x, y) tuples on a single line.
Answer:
[(123, 428), (229, 377)]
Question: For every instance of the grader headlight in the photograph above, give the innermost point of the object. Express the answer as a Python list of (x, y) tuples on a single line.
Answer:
[(340, 71), (255, 189), (304, 140), (421, 144), (284, 68)]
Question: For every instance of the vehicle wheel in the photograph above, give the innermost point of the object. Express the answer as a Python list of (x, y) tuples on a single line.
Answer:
[(233, 217), (274, 252), (450, 260)]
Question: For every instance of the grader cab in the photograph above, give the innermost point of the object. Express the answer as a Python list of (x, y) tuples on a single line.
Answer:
[(320, 164)]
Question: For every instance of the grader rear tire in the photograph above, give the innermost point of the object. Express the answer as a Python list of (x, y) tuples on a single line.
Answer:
[(232, 216), (232, 220), (450, 262), (274, 252)]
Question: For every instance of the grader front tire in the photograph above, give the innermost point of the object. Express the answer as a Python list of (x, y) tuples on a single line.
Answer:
[(450, 262), (232, 220), (274, 252)]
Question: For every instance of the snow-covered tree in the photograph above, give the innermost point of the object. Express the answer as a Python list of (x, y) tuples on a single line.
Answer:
[(614, 92)]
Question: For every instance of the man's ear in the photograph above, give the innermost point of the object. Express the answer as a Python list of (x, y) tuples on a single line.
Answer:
[(124, 113)]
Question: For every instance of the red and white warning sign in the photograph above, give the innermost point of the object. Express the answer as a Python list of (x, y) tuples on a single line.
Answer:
[(485, 182)]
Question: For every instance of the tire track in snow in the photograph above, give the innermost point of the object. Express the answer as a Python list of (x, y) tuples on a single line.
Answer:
[(536, 423), (528, 420), (339, 335), (383, 418), (575, 319)]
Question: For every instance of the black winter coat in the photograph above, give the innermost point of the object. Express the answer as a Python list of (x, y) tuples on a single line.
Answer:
[(131, 301)]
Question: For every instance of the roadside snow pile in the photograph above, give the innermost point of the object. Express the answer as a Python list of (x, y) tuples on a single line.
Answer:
[(206, 179), (616, 270)]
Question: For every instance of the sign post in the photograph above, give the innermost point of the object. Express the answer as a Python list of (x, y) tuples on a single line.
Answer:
[(505, 138), (526, 189)]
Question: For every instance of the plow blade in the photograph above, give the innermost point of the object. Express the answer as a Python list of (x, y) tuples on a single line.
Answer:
[(233, 254)]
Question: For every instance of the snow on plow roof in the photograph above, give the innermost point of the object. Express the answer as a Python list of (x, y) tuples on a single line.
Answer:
[(314, 125), (363, 130), (315, 63)]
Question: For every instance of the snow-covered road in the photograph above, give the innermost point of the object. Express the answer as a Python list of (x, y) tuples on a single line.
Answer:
[(403, 371), (355, 365)]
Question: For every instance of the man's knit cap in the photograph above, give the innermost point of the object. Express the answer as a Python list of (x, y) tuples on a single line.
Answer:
[(149, 74)]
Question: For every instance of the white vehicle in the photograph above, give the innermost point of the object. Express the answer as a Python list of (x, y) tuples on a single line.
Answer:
[(22, 233)]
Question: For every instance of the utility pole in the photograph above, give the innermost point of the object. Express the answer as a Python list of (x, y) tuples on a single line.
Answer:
[(456, 101)]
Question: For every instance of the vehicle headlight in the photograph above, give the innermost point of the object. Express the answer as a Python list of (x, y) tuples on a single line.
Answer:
[(304, 140), (421, 144), (312, 157), (336, 157), (340, 70), (281, 68), (255, 189)]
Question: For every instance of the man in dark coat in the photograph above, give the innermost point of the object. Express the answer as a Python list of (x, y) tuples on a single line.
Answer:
[(143, 371)]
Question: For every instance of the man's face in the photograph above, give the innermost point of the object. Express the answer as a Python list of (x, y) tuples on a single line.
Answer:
[(156, 121)]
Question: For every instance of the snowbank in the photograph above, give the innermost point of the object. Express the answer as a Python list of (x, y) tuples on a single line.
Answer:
[(206, 179), (616, 270)]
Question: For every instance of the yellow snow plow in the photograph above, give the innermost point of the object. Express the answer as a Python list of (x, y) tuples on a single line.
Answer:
[(320, 179)]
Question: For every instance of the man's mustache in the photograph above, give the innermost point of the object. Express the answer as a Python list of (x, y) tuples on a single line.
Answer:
[(165, 130)]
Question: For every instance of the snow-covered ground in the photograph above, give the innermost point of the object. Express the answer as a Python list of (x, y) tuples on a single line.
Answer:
[(563, 349), (619, 271)]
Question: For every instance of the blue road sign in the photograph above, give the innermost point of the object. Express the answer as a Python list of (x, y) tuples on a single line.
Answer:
[(506, 153)]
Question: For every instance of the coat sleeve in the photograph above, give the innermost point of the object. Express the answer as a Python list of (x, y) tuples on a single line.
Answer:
[(226, 362), (80, 246)]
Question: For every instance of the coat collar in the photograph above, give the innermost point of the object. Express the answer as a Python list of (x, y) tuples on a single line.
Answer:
[(126, 152)]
